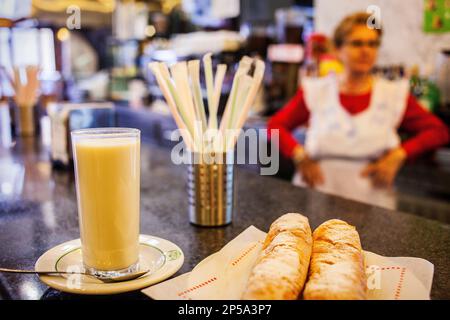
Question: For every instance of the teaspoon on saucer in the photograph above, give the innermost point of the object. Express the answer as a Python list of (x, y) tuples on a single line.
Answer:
[(128, 277)]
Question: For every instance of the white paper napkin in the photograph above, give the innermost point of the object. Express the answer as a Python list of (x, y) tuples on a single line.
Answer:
[(224, 274)]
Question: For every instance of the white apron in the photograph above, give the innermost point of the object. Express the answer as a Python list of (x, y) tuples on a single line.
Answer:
[(344, 144)]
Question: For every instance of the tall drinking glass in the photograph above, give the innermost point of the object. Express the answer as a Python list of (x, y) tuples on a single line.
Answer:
[(107, 173)]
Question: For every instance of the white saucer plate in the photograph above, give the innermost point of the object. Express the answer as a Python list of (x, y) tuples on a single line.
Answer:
[(162, 257)]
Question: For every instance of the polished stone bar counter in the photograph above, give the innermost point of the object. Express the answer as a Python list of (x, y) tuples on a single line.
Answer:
[(42, 213)]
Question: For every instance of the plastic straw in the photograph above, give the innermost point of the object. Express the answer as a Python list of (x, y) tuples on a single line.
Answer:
[(237, 104), (257, 79), (155, 67), (182, 90), (243, 68), (180, 75), (180, 80), (194, 73), (220, 75), (174, 93), (207, 64)]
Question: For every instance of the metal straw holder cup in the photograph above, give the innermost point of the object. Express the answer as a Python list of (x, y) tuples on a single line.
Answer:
[(211, 188)]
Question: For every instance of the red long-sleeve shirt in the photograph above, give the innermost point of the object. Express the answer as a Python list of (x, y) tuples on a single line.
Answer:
[(427, 131)]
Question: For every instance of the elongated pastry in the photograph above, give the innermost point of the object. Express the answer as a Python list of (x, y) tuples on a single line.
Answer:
[(337, 264), (282, 267)]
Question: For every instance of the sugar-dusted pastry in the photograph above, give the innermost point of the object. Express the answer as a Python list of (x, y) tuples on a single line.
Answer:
[(336, 270), (282, 267)]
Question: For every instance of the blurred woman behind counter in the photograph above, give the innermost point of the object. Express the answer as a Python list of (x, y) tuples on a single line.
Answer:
[(352, 147)]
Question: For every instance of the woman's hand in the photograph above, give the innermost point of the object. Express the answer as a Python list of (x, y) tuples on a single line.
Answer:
[(383, 171), (310, 171), (308, 168)]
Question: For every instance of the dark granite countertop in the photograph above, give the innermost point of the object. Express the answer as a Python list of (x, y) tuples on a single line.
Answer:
[(43, 213)]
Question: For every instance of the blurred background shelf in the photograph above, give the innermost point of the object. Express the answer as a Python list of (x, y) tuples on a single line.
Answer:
[(105, 59)]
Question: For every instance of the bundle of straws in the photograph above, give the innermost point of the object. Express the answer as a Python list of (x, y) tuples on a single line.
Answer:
[(25, 82), (26, 86), (183, 93)]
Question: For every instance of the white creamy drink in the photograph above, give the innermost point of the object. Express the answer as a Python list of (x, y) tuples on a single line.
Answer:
[(108, 186)]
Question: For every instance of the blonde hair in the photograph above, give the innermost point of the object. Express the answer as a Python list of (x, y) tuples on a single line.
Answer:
[(346, 26)]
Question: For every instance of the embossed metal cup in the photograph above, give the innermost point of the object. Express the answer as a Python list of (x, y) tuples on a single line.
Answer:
[(211, 188)]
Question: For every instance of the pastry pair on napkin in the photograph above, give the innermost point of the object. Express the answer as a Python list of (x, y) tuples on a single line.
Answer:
[(291, 262), (332, 254)]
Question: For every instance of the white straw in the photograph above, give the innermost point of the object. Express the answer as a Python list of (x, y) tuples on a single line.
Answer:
[(244, 83), (237, 104), (155, 67), (187, 91), (180, 79), (164, 85), (209, 78), (220, 75), (174, 92), (197, 124), (243, 68), (257, 79), (182, 90), (194, 73), (180, 75)]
